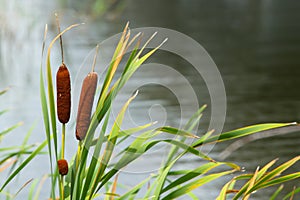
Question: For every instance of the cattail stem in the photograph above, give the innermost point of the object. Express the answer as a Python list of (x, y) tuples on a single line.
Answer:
[(63, 136), (78, 154), (60, 38), (95, 58), (62, 191)]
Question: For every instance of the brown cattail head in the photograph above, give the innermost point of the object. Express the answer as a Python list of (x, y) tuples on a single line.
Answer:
[(62, 167), (63, 86), (85, 104)]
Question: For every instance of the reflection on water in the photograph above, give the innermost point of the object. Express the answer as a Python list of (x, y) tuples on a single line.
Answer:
[(255, 45)]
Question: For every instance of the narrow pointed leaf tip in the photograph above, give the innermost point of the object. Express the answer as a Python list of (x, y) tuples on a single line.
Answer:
[(135, 94)]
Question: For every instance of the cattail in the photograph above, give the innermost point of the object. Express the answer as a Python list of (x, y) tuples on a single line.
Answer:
[(86, 100), (85, 104), (63, 86), (62, 167)]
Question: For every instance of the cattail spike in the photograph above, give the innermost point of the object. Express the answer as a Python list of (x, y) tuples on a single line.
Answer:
[(63, 167), (86, 100), (63, 86)]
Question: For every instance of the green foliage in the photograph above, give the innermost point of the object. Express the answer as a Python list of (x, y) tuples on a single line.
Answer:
[(262, 179), (94, 168), (11, 156)]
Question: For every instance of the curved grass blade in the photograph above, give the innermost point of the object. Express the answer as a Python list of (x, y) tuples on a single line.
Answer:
[(192, 174), (291, 194), (227, 187), (110, 144), (23, 186), (3, 111), (251, 183), (26, 161), (124, 134), (132, 192), (131, 153), (276, 193), (160, 181), (260, 174), (194, 119), (47, 128), (10, 129), (4, 91), (195, 184), (31, 190), (179, 144), (276, 172), (92, 167), (242, 132), (7, 164), (23, 147), (279, 180), (116, 59), (16, 153), (139, 147), (175, 131), (39, 188)]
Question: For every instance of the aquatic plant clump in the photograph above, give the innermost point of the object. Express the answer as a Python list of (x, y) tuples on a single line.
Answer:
[(92, 171)]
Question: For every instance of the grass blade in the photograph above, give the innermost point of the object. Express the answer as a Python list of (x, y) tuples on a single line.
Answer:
[(132, 193), (26, 161), (195, 184), (276, 193), (191, 174), (10, 129), (110, 144), (242, 132)]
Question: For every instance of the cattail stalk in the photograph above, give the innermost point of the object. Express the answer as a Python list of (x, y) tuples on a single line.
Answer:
[(86, 100), (63, 83), (63, 86)]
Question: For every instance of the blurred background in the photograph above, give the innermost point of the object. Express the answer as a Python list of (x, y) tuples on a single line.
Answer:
[(255, 45)]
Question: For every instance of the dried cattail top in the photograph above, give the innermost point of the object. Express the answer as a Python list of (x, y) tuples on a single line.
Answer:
[(85, 104), (63, 86)]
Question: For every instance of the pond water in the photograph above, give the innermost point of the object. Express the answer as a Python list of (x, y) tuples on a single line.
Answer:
[(255, 45)]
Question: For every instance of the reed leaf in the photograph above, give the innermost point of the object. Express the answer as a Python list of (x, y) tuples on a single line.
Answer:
[(110, 144), (4, 91), (92, 167), (276, 193), (23, 164), (227, 187), (195, 184), (241, 132), (130, 194), (260, 174), (291, 194), (203, 169), (4, 132)]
